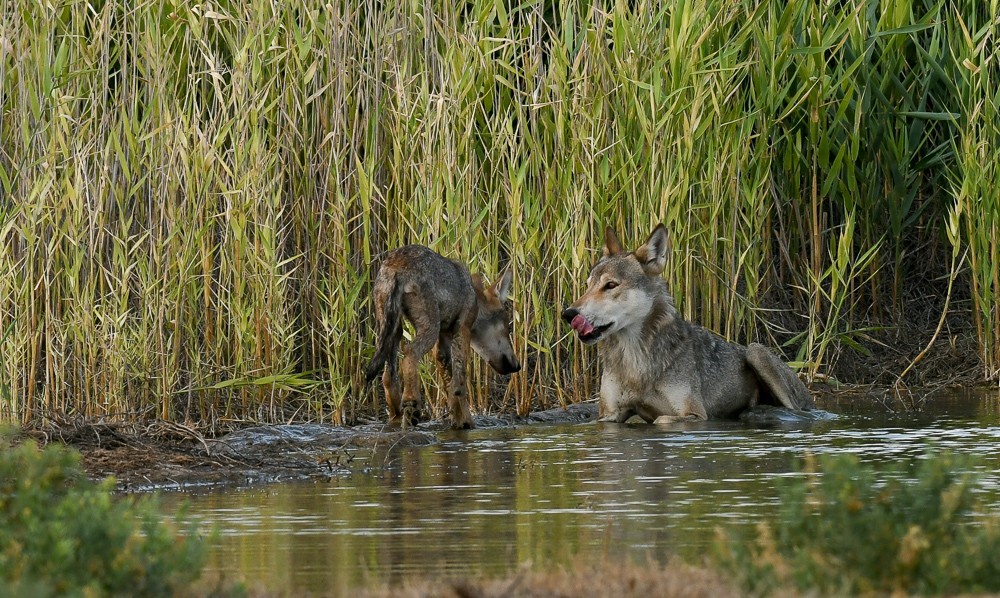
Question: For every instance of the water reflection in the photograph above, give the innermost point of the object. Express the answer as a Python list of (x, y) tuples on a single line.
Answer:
[(485, 501)]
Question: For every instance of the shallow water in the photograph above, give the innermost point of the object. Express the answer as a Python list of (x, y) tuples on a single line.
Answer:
[(487, 501)]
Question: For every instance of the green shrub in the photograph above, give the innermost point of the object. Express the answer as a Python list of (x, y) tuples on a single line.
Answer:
[(62, 534), (856, 529)]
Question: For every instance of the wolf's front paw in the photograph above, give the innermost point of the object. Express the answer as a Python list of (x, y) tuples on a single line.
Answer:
[(672, 419), (465, 424), (411, 414), (617, 417)]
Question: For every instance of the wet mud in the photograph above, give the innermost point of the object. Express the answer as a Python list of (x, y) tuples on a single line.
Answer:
[(167, 456)]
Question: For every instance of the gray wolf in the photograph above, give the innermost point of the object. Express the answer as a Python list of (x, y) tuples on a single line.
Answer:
[(658, 365), (450, 310)]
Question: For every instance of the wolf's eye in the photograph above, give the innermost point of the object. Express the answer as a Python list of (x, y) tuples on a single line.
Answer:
[(610, 285)]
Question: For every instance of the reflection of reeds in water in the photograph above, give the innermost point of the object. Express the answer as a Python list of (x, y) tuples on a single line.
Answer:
[(194, 196)]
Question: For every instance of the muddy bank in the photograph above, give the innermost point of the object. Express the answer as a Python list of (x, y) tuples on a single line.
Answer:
[(170, 456)]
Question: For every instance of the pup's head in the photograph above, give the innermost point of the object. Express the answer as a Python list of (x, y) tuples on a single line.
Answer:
[(621, 289), (491, 332)]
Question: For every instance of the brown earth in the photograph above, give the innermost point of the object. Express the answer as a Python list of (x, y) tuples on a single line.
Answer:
[(163, 455), (166, 455)]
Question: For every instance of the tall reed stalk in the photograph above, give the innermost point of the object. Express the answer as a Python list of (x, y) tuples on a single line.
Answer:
[(976, 172)]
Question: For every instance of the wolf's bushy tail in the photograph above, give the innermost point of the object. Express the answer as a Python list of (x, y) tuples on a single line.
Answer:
[(387, 337)]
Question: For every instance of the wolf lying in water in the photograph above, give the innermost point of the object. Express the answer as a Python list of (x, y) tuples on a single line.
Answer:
[(656, 364)]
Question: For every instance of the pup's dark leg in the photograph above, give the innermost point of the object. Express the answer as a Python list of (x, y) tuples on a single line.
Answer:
[(442, 354), (452, 382), (457, 388), (424, 315), (392, 383)]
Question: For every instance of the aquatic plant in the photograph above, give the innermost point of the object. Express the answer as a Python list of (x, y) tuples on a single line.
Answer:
[(976, 173), (194, 197), (851, 528), (63, 535)]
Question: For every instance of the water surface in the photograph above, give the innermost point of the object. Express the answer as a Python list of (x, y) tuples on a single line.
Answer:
[(487, 501)]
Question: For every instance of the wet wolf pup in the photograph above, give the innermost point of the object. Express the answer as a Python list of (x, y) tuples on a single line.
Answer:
[(656, 364), (450, 310)]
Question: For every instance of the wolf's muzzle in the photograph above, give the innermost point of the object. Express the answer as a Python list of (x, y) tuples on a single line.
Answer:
[(584, 328), (508, 365)]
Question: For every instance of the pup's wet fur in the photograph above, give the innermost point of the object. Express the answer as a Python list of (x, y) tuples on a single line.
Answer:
[(450, 310)]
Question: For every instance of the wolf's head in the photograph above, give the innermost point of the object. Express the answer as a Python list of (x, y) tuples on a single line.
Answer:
[(622, 289), (491, 332)]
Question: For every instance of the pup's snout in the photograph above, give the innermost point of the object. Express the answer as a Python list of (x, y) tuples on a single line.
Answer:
[(569, 313), (509, 365)]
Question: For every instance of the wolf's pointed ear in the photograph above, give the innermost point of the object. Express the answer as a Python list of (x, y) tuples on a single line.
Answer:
[(502, 286), (653, 255), (477, 282), (611, 244)]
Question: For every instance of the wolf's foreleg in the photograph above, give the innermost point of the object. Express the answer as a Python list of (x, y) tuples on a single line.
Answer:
[(611, 409), (451, 370), (458, 392), (412, 353)]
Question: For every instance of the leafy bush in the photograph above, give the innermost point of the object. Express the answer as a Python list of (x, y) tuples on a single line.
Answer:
[(848, 529), (62, 534)]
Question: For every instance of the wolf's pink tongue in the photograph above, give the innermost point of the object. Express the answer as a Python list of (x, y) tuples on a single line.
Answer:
[(581, 325)]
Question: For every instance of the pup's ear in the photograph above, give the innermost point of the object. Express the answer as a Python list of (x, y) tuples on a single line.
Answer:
[(653, 255), (611, 244), (477, 282), (502, 287)]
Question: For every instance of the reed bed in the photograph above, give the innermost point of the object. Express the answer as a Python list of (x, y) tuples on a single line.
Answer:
[(195, 196)]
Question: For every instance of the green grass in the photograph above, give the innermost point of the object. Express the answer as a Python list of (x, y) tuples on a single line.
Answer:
[(193, 197)]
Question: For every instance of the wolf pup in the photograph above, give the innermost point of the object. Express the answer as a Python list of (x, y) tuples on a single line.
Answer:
[(656, 364), (447, 306)]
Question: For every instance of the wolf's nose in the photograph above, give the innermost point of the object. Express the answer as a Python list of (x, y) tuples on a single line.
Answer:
[(511, 365), (507, 365), (569, 313)]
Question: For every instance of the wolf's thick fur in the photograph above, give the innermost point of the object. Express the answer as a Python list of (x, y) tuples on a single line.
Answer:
[(450, 310), (658, 365)]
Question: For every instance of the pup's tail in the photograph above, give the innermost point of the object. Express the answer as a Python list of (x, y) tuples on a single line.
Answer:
[(388, 337)]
